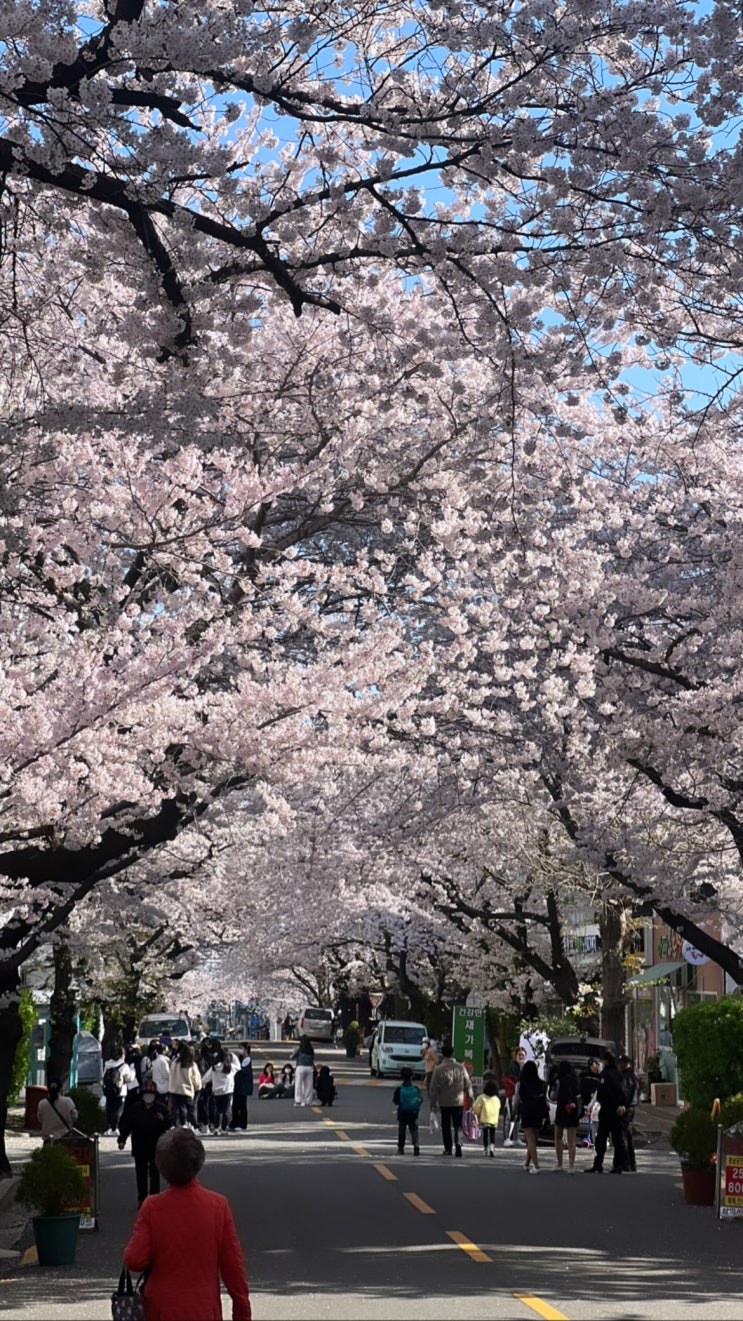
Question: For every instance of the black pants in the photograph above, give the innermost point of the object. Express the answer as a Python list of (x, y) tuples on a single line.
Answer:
[(610, 1126), (239, 1111), (405, 1123), (629, 1145), (221, 1110), (148, 1176), (114, 1108), (488, 1135), (451, 1123)]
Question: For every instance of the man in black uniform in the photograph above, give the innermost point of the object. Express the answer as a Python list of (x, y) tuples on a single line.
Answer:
[(631, 1093), (611, 1098)]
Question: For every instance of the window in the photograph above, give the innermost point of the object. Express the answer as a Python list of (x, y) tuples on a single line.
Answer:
[(403, 1036), (154, 1027), (321, 1015)]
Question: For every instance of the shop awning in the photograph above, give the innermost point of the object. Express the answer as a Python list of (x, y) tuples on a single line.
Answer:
[(657, 973)]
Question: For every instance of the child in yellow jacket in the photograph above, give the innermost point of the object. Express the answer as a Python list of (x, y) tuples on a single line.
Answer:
[(487, 1109)]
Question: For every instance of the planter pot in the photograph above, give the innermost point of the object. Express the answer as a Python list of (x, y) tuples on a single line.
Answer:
[(699, 1185), (56, 1239)]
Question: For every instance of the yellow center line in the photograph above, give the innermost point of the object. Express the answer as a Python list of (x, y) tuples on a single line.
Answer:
[(419, 1204), (361, 1150), (30, 1257), (315, 1109), (329, 1122), (343, 1136), (386, 1174), (542, 1309), (466, 1244)]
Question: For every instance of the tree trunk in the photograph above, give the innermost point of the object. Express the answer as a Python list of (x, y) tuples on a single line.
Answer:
[(611, 926), (62, 1016), (11, 1031)]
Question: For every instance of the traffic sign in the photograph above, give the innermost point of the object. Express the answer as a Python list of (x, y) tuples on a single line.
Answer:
[(375, 998)]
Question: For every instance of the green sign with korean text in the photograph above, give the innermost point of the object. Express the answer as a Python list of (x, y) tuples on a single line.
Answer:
[(468, 1040)]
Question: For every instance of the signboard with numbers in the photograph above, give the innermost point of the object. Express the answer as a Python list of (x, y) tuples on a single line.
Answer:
[(468, 1040), (85, 1151), (730, 1167)]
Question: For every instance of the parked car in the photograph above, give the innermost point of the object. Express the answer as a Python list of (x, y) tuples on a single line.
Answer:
[(577, 1051), (397, 1044), (316, 1023)]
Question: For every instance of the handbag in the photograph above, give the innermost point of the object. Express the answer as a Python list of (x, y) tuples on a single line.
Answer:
[(127, 1302)]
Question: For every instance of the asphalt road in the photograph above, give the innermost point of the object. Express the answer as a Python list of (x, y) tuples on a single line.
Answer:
[(335, 1225)]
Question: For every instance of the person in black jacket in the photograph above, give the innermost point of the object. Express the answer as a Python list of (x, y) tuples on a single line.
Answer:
[(243, 1089), (566, 1116), (533, 1110), (631, 1093), (145, 1120), (611, 1098)]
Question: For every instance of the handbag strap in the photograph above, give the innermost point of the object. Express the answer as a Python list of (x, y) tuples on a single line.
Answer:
[(125, 1282), (61, 1116)]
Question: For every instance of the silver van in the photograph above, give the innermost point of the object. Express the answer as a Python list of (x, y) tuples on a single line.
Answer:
[(316, 1023), (397, 1045)]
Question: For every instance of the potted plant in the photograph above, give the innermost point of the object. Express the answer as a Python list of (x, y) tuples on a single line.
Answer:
[(694, 1138), (351, 1039), (51, 1182)]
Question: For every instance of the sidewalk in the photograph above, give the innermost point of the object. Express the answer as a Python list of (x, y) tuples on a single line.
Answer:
[(654, 1122)]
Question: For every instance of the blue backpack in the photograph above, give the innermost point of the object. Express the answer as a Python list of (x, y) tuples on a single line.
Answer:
[(410, 1097)]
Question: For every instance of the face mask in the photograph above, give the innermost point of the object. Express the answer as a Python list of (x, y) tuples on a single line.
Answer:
[(148, 1098)]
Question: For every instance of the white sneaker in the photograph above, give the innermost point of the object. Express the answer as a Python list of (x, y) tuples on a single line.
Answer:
[(491, 1152), (533, 1169), (508, 1142)]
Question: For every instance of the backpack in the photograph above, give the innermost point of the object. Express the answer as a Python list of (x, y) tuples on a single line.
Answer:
[(112, 1081), (410, 1097)]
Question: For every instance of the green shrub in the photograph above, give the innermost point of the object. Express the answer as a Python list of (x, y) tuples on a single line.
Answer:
[(708, 1041), (694, 1137), (51, 1181), (90, 1118), (731, 1111), (27, 1011)]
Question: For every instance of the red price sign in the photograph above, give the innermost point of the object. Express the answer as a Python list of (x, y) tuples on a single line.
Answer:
[(733, 1194)]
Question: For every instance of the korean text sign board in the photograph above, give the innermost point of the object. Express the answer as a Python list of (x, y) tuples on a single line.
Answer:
[(468, 1039), (730, 1168)]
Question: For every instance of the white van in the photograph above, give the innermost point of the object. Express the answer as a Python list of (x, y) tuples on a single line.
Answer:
[(316, 1023), (397, 1045), (177, 1026)]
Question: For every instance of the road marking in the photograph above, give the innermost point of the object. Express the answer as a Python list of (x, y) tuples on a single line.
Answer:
[(386, 1174), (466, 1244), (362, 1151), (329, 1122), (30, 1257), (419, 1204), (315, 1109), (542, 1309), (343, 1136)]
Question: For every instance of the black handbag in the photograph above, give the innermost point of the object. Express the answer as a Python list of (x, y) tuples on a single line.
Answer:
[(127, 1302)]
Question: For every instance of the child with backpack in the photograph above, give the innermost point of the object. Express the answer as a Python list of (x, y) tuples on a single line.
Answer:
[(487, 1109), (408, 1099)]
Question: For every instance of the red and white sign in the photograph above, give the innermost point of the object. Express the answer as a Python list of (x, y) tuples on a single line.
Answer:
[(693, 955), (375, 998)]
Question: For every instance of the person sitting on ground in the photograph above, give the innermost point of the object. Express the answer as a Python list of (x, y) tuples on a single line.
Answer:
[(325, 1086), (286, 1080), (267, 1084), (185, 1238), (56, 1113)]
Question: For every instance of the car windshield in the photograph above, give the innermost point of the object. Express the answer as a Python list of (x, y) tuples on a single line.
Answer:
[(577, 1050), (403, 1036), (324, 1014), (154, 1027)]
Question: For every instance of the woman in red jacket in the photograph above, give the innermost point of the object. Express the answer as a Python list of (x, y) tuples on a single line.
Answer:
[(187, 1224)]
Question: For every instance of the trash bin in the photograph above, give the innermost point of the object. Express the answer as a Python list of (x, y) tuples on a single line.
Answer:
[(31, 1112)]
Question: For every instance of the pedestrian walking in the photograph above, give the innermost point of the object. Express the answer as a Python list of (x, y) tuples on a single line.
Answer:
[(185, 1238), (56, 1113), (487, 1109), (184, 1082), (221, 1078), (533, 1110), (408, 1100), (115, 1079), (450, 1083), (145, 1122), (159, 1072), (431, 1058), (612, 1106), (304, 1076), (243, 1089), (631, 1089), (567, 1098), (509, 1082)]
